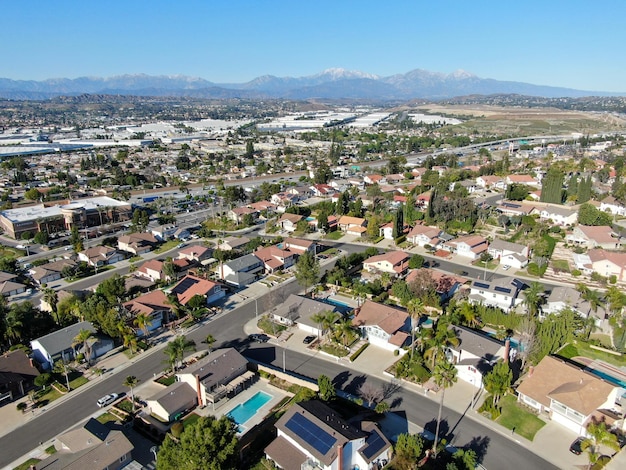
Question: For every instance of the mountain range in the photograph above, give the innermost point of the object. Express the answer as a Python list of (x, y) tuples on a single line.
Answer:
[(329, 84)]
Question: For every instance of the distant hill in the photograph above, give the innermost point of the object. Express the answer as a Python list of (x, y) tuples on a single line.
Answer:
[(329, 84)]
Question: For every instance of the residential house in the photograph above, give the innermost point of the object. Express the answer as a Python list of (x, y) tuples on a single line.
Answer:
[(395, 178), (567, 394), (395, 263), (285, 199), (223, 372), (289, 222), (423, 235), (509, 253), (562, 297), (62, 345), (373, 179), (274, 258), (238, 214), (261, 206), (98, 256), (241, 271), (423, 200), (164, 232), (386, 231), (299, 246), (612, 205), (608, 263), (322, 190), (600, 236), (17, 375), (311, 435), (490, 182), (151, 269), (348, 223), (190, 286), (469, 185), (382, 325), (446, 285), (137, 243), (182, 233), (475, 355), (501, 293), (301, 310), (195, 253), (50, 272), (233, 243), (522, 179), (559, 215), (155, 304), (11, 288), (512, 208), (92, 446), (469, 246), (169, 403)]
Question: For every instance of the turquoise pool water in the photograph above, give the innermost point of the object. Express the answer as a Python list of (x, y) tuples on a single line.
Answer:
[(342, 307), (309, 219), (244, 411), (607, 377)]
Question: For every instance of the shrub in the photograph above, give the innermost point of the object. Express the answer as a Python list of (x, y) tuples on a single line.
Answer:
[(576, 272), (489, 409), (359, 351), (21, 406), (612, 279), (177, 429)]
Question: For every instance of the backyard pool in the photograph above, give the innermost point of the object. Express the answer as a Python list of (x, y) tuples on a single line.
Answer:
[(244, 411), (342, 307)]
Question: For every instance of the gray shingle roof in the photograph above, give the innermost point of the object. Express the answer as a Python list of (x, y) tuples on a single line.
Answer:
[(216, 367), (63, 339), (244, 263), (175, 396)]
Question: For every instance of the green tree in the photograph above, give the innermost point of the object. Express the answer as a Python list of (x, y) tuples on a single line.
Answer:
[(467, 458), (75, 239), (131, 382), (398, 223), (416, 261), (408, 450), (209, 341), (327, 390), (42, 380), (416, 310), (207, 444), (51, 297), (307, 270), (444, 375), (599, 436), (323, 174), (143, 322), (552, 186), (533, 297), (84, 337), (498, 380), (33, 194), (590, 215), (176, 349), (113, 289)]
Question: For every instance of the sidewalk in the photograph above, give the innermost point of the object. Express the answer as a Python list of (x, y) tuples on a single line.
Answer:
[(551, 442)]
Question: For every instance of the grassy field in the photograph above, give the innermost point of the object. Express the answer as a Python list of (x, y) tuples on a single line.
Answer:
[(336, 235), (517, 419), (578, 348)]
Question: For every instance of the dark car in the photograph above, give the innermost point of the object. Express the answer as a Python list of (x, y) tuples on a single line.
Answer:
[(259, 338), (577, 446), (309, 339)]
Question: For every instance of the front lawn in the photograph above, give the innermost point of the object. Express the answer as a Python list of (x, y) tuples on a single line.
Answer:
[(107, 418), (516, 418), (336, 235)]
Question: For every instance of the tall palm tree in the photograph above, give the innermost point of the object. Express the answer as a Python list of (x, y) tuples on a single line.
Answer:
[(131, 382), (51, 297), (177, 348), (594, 298), (445, 375), (442, 339), (616, 299), (533, 297), (416, 310), (344, 330), (319, 319), (83, 338), (12, 327), (599, 435), (130, 341), (330, 318), (209, 341), (143, 322)]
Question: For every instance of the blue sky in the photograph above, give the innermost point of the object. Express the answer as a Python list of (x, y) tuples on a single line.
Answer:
[(576, 44)]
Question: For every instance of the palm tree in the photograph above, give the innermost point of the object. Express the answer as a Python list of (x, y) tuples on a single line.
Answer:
[(344, 330), (209, 341), (616, 299), (469, 315), (177, 348), (442, 339), (416, 310), (130, 341), (51, 297), (599, 435), (83, 338), (330, 318), (131, 382), (444, 376), (319, 319), (143, 321), (533, 297), (12, 327), (594, 298)]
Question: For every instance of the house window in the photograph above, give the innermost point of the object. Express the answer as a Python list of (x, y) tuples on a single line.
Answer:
[(122, 458)]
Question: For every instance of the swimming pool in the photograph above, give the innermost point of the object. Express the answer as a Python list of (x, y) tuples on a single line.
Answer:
[(342, 307), (514, 343), (607, 377), (244, 411)]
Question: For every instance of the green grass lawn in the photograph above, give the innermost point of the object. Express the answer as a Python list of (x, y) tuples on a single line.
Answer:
[(578, 348), (106, 418), (26, 465), (336, 235), (166, 380), (516, 417), (192, 418), (168, 245)]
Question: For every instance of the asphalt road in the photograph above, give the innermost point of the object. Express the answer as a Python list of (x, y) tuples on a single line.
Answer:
[(497, 451)]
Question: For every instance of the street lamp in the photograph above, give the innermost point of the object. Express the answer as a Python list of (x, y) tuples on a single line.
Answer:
[(256, 309), (154, 449), (284, 350)]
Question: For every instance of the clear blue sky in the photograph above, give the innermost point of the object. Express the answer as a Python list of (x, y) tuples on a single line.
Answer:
[(576, 44)]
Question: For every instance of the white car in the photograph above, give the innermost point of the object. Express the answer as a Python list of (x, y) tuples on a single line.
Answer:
[(107, 399), (505, 267)]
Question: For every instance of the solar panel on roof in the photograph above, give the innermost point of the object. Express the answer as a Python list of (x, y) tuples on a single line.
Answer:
[(374, 443), (311, 433), (183, 285), (506, 290), (481, 285)]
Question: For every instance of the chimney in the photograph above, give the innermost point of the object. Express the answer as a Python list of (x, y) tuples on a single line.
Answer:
[(531, 369), (507, 349), (339, 457), (200, 403)]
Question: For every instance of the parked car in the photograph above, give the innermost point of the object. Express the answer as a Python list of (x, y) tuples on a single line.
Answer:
[(259, 338), (107, 399), (505, 267), (577, 446), (309, 339)]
